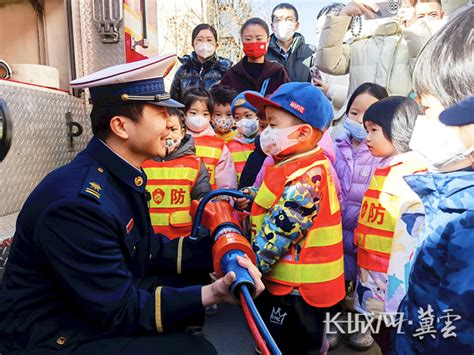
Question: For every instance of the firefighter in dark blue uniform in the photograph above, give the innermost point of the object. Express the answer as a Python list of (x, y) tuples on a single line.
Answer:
[(85, 272)]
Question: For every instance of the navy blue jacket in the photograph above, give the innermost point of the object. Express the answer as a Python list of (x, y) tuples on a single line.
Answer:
[(192, 73), (81, 256), (252, 165)]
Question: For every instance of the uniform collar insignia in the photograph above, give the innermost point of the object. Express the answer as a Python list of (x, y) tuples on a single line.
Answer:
[(117, 165)]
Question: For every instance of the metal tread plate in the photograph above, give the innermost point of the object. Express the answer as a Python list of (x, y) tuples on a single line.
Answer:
[(40, 142)]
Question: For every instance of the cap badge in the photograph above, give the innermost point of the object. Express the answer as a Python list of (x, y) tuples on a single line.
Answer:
[(239, 102), (297, 107)]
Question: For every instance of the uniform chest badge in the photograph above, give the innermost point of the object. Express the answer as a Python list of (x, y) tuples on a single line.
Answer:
[(130, 225)]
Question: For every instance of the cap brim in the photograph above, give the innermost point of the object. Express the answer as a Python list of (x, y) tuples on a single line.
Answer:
[(459, 114), (167, 103), (259, 102)]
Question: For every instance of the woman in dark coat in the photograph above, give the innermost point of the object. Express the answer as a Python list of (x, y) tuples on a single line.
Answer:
[(202, 67)]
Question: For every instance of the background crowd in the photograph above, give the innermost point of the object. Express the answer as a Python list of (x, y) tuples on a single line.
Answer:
[(388, 79), (355, 159)]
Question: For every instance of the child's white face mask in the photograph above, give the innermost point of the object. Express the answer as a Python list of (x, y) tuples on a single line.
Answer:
[(275, 140), (248, 127), (197, 123), (437, 143)]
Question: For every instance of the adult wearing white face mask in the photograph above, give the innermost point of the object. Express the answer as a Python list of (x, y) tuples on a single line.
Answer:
[(379, 51), (202, 67), (287, 46)]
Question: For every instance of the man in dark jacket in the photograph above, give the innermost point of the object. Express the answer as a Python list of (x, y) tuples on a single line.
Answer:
[(85, 271), (287, 46)]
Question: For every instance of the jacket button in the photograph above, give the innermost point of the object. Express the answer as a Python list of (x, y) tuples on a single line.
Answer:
[(61, 341), (134, 248), (138, 181)]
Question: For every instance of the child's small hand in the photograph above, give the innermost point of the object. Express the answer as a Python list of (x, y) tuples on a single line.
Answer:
[(243, 203)]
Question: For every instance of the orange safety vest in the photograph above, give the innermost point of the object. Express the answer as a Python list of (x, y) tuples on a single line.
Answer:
[(318, 274), (209, 149), (380, 210), (240, 153), (170, 184)]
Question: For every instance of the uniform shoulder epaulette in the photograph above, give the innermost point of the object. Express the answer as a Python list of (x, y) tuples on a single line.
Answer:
[(94, 183)]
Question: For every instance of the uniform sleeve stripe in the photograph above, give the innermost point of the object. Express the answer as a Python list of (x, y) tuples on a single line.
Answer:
[(158, 321), (180, 255)]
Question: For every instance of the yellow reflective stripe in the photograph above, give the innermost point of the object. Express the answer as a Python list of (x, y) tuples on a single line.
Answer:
[(180, 217), (174, 219), (381, 213), (208, 152), (158, 321), (241, 156), (377, 182), (307, 273), (211, 172), (256, 223), (265, 198), (159, 219), (179, 258), (376, 243), (332, 194), (167, 173), (169, 196), (324, 236)]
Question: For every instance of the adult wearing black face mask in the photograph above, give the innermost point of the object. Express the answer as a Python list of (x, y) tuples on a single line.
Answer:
[(202, 67), (287, 46)]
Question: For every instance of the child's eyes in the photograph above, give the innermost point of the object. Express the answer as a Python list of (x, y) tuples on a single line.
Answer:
[(353, 113)]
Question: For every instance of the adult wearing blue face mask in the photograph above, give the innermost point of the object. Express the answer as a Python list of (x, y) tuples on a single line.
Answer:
[(354, 166), (287, 46)]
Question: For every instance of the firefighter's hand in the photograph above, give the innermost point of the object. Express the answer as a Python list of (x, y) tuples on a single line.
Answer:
[(218, 291), (243, 203)]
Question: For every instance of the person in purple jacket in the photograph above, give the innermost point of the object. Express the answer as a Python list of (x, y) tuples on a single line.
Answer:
[(354, 166)]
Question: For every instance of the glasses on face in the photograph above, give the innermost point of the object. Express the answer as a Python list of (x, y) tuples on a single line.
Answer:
[(285, 19)]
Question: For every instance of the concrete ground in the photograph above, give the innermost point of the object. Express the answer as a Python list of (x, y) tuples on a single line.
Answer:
[(229, 333)]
